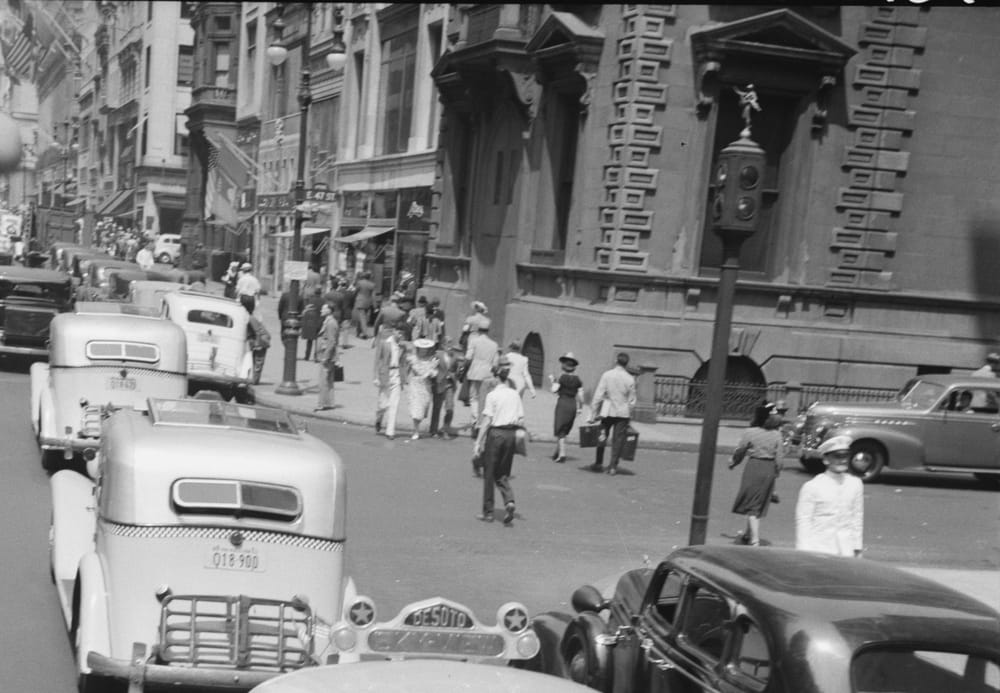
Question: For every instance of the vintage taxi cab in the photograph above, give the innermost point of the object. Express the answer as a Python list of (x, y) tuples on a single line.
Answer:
[(937, 423), (100, 361), (744, 619), (59, 259), (29, 299), (208, 551), (219, 358), (95, 284)]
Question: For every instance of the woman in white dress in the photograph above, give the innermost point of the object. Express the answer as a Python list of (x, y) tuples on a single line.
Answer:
[(422, 369)]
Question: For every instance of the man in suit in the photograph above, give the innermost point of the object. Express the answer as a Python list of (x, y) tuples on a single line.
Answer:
[(364, 299), (443, 389), (482, 355), (390, 377), (613, 402)]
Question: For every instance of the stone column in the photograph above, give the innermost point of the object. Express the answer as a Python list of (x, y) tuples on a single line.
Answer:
[(645, 391)]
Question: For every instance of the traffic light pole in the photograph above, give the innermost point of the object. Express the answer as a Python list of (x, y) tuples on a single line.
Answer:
[(737, 181)]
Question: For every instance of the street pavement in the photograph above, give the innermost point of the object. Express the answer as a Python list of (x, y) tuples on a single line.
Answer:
[(356, 396)]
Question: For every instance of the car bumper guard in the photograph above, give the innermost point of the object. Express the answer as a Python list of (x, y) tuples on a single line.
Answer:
[(139, 672)]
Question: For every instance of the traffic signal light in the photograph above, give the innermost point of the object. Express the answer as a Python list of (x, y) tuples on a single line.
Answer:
[(736, 181)]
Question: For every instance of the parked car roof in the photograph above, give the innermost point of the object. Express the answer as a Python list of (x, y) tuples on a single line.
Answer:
[(200, 438), (71, 332), (866, 601), (17, 273)]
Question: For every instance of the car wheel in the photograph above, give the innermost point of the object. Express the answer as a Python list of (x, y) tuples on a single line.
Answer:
[(990, 481), (581, 660), (164, 259), (813, 465), (576, 663), (867, 460)]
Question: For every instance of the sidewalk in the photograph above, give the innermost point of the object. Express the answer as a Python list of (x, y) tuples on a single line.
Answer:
[(355, 398)]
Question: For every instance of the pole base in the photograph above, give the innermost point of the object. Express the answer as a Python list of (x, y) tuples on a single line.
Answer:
[(288, 387)]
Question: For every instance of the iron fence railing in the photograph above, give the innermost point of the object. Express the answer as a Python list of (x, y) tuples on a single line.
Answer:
[(678, 396)]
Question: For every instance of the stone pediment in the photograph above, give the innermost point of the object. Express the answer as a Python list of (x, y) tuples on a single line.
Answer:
[(781, 34), (565, 29)]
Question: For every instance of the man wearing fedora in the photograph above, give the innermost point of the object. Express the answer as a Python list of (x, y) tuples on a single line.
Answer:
[(829, 514), (503, 415), (614, 399), (569, 402)]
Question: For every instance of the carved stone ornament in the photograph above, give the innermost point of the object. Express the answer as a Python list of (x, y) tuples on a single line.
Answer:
[(527, 90), (822, 105), (708, 72), (588, 73)]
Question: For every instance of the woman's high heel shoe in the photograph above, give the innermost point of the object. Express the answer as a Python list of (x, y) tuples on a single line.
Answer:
[(555, 456)]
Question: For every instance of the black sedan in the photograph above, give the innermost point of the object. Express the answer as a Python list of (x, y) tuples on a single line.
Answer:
[(734, 618)]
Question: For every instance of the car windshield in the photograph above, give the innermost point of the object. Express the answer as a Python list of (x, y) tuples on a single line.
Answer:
[(923, 671), (922, 395)]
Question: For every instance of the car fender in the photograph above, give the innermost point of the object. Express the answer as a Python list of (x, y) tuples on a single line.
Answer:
[(74, 521), (902, 449), (39, 373), (583, 631), (47, 425), (550, 627), (92, 611)]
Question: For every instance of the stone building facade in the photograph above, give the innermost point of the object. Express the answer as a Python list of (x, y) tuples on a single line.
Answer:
[(572, 186)]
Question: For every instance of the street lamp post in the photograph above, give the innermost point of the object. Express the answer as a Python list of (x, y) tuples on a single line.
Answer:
[(291, 326), (735, 211)]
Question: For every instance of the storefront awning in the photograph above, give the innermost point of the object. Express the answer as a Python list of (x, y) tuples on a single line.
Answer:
[(116, 205), (306, 231), (367, 232)]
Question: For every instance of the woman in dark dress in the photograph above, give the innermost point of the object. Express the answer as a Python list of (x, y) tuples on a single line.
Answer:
[(762, 449), (569, 402)]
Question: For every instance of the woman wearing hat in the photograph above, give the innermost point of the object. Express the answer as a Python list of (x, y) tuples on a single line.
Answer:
[(569, 402), (422, 369), (762, 448)]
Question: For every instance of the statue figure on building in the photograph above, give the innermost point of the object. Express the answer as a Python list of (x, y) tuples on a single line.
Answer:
[(748, 101)]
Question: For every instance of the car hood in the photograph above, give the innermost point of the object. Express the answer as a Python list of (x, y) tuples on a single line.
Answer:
[(827, 409)]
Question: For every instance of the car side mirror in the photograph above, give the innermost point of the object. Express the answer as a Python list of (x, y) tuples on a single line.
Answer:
[(588, 598)]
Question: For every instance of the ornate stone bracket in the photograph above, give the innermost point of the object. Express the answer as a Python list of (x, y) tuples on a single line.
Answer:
[(822, 105), (708, 73)]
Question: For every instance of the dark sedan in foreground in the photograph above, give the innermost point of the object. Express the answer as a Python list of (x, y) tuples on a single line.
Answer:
[(735, 618)]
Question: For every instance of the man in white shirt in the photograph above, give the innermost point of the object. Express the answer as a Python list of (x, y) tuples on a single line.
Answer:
[(520, 377), (613, 402), (829, 514), (503, 415), (247, 287)]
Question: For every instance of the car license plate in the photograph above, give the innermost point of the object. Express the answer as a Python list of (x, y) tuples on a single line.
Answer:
[(210, 338), (129, 384), (247, 561)]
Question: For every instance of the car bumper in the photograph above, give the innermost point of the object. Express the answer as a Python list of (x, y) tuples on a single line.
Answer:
[(137, 671), (213, 380), (24, 350)]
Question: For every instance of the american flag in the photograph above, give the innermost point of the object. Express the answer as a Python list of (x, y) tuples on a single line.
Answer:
[(20, 50), (221, 190)]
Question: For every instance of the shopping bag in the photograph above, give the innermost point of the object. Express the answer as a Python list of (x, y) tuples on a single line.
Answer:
[(521, 442), (338, 373), (590, 435), (631, 443)]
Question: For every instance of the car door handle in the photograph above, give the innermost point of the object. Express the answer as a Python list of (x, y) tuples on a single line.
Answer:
[(659, 662)]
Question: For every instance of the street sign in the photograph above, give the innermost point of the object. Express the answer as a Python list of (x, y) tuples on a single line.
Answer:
[(296, 270), (321, 195)]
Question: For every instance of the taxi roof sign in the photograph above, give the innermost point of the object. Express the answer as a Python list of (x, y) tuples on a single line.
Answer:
[(197, 412)]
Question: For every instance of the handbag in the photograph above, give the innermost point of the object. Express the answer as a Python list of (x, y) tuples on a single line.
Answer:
[(338, 373), (590, 435), (521, 442)]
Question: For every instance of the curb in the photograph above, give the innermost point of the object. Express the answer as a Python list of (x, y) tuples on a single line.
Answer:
[(355, 420)]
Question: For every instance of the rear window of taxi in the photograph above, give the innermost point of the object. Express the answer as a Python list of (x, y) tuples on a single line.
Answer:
[(209, 317)]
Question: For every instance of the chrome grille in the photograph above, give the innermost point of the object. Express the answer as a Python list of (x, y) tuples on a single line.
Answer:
[(249, 535), (239, 632)]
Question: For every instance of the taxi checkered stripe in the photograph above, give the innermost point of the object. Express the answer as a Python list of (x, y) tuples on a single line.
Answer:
[(253, 535), (116, 371)]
